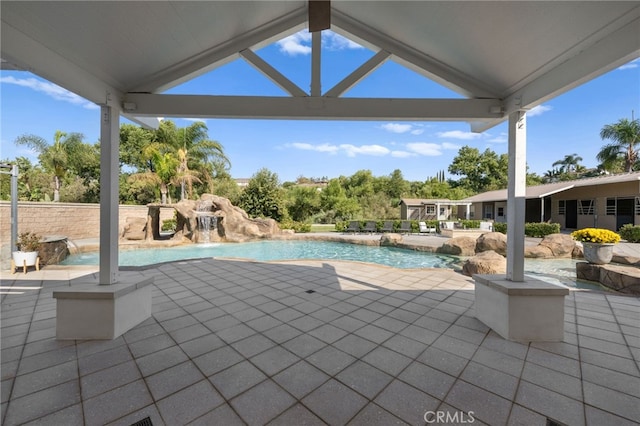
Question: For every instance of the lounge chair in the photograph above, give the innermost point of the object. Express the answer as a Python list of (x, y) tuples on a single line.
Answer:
[(387, 226), (354, 226), (424, 229), (370, 227), (405, 227)]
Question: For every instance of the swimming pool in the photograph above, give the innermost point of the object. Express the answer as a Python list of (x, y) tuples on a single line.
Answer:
[(277, 250), (550, 270)]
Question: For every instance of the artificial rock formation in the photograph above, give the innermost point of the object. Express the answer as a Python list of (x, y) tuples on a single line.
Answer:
[(390, 239), (459, 246), (494, 241), (487, 262), (232, 223), (561, 245)]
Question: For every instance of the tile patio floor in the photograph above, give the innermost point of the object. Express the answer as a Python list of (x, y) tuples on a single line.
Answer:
[(315, 342)]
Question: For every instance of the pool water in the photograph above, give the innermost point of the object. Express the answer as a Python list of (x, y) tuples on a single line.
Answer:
[(277, 250), (560, 271)]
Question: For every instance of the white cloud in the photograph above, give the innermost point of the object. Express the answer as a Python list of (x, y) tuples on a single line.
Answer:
[(397, 127), (333, 41), (402, 154), (425, 148), (457, 134), (501, 138), (453, 146), (630, 65), (300, 43), (375, 150), (538, 110), (195, 120), (50, 89), (417, 132), (325, 147), (296, 44)]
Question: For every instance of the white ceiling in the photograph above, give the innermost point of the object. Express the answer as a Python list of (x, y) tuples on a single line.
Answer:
[(516, 54)]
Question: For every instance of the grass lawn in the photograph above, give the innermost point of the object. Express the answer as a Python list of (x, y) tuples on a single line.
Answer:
[(320, 227)]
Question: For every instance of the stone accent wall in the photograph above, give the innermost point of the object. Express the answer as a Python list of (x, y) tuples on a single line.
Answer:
[(71, 220)]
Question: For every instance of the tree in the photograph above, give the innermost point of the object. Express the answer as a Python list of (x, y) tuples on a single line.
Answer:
[(570, 164), (625, 145), (180, 157), (54, 158), (481, 172), (262, 196), (335, 203), (304, 201)]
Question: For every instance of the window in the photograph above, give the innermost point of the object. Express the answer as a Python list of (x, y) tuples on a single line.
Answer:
[(500, 211), (637, 206), (561, 207), (611, 206), (430, 210), (585, 207)]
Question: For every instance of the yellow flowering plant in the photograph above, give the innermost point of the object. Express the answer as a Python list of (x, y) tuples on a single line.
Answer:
[(596, 235)]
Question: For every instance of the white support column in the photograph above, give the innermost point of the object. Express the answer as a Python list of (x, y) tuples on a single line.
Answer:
[(516, 193), (316, 48), (109, 173), (542, 209), (466, 215)]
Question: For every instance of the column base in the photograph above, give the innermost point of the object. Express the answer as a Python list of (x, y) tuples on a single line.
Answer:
[(528, 311), (102, 312)]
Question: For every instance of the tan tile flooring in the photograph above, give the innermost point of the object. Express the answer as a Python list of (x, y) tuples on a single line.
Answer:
[(314, 342)]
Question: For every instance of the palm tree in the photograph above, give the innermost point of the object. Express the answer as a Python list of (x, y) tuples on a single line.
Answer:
[(569, 164), (198, 154), (181, 157), (54, 158), (625, 135)]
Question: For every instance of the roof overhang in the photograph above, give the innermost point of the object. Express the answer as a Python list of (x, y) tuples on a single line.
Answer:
[(500, 56)]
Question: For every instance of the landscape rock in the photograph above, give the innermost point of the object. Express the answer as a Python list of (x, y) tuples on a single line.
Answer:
[(390, 239), (459, 246), (540, 252), (53, 251), (135, 228), (487, 262), (494, 241), (561, 245), (624, 279), (232, 223)]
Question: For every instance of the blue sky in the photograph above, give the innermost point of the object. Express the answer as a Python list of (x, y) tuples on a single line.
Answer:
[(565, 125)]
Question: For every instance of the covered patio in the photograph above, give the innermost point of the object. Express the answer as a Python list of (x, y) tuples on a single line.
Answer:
[(231, 341), (310, 342)]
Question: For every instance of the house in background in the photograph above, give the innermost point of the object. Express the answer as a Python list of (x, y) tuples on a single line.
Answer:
[(604, 202), (433, 209)]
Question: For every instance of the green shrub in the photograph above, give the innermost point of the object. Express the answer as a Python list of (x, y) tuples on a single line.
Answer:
[(500, 227), (298, 227), (531, 229), (341, 225), (630, 232), (169, 225), (541, 229), (470, 224)]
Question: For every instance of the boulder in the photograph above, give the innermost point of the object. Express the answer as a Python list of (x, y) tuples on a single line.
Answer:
[(538, 251), (390, 240), (487, 262), (561, 245), (459, 246), (494, 241), (135, 229), (53, 251)]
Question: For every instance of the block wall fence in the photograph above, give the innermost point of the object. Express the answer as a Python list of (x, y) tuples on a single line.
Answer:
[(72, 220)]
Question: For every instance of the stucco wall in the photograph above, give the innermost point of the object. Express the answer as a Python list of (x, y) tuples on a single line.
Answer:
[(72, 220), (598, 193)]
